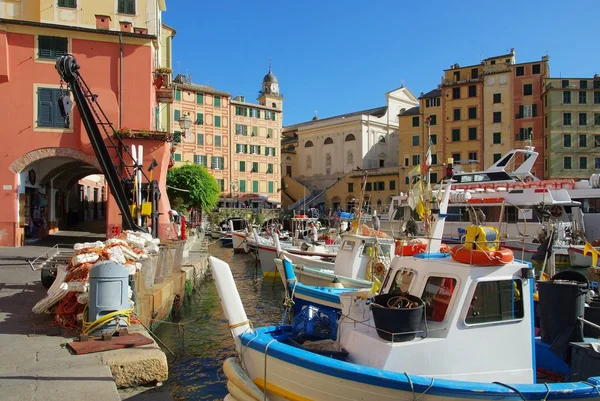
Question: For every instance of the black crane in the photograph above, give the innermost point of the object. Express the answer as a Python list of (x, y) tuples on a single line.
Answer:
[(120, 178)]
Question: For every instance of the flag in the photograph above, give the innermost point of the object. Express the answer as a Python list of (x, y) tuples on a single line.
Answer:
[(590, 248), (152, 165), (414, 172), (427, 160)]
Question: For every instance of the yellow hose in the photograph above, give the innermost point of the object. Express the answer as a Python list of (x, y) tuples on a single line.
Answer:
[(89, 327)]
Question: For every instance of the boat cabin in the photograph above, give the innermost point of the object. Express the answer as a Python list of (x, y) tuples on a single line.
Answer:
[(357, 250)]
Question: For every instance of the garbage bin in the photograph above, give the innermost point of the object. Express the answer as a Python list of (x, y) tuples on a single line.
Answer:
[(109, 292)]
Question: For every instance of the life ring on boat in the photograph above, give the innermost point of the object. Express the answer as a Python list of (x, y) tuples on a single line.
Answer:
[(379, 269), (482, 258), (556, 211), (528, 179), (414, 249)]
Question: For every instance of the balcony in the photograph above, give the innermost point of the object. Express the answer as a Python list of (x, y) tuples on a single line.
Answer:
[(127, 133), (164, 95)]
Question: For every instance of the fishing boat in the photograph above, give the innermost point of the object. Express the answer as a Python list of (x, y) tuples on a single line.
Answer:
[(409, 342)]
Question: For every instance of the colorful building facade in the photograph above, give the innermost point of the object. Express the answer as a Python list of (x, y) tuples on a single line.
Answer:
[(571, 126), (117, 45)]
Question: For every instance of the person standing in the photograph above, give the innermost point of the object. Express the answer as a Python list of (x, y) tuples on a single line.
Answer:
[(313, 234)]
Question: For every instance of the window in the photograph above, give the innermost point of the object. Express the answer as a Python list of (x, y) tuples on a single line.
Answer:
[(201, 160), (217, 162), (472, 133), (565, 83), (199, 98), (308, 144), (472, 91), (497, 157), (472, 113), (241, 129), (379, 186), (67, 3), (415, 140), (456, 135), (596, 84), (474, 73), (434, 159), (254, 131), (242, 166), (567, 140), (217, 121), (350, 187), (176, 115), (455, 93), (497, 138), (567, 162), (566, 118), (270, 168), (243, 186), (473, 156), (415, 160), (269, 132), (583, 163), (199, 139), (520, 71), (392, 185), (527, 89), (199, 119), (524, 134), (254, 150), (241, 111), (255, 186), (525, 111), (596, 97), (48, 112), (217, 101), (350, 137), (406, 162), (582, 97), (52, 47), (178, 94), (597, 141), (254, 167), (415, 121), (596, 118), (406, 180), (433, 119), (536, 69), (434, 102), (217, 140), (583, 84), (177, 157), (126, 7), (582, 118), (497, 97), (497, 117), (567, 97), (456, 157), (433, 139), (270, 187), (368, 186), (433, 177), (456, 114), (328, 141), (496, 301), (583, 141), (438, 293), (381, 139)]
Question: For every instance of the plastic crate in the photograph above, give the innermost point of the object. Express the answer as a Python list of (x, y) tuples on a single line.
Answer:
[(313, 322)]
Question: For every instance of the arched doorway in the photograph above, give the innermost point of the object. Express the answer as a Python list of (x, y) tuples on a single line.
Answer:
[(335, 203), (51, 195)]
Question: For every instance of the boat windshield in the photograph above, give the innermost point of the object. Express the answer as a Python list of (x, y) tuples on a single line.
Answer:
[(386, 250), (402, 281)]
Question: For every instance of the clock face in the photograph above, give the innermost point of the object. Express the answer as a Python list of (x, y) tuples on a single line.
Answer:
[(273, 88)]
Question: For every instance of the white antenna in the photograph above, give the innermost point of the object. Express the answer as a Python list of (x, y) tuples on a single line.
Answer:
[(402, 83)]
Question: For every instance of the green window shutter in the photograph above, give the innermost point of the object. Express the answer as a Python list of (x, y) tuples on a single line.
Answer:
[(199, 139), (258, 150), (270, 187), (177, 94), (199, 98), (534, 110), (245, 112), (254, 131), (274, 152), (255, 186), (196, 159), (270, 133), (67, 3), (217, 121), (243, 186), (126, 7), (255, 167), (177, 157), (199, 118), (176, 136), (217, 140), (270, 168), (176, 115), (257, 113), (217, 101), (245, 148), (273, 115), (45, 114), (58, 120), (242, 166), (44, 46)]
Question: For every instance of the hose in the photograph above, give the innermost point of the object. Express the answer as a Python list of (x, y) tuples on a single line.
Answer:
[(89, 327)]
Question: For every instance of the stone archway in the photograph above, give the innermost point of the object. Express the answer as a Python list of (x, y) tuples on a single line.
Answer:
[(31, 157)]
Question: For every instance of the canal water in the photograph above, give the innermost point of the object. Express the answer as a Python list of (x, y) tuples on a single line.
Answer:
[(202, 340)]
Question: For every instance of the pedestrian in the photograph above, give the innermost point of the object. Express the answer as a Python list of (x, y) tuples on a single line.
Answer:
[(313, 234)]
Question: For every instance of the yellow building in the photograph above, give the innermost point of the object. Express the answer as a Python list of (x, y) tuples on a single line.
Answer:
[(381, 185)]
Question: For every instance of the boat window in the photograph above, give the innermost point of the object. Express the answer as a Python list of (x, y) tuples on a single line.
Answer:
[(402, 281), (368, 249), (437, 293), (348, 246), (496, 301)]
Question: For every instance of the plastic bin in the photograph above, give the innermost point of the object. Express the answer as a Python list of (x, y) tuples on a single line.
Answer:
[(313, 322), (585, 362), (389, 321), (109, 292)]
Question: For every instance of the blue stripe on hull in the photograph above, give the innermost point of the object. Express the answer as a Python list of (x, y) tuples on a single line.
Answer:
[(399, 381)]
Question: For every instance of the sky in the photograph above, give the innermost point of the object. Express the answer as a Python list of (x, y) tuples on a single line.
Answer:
[(333, 57)]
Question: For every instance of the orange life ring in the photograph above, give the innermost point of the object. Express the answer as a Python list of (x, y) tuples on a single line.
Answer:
[(528, 179), (482, 258), (556, 211), (414, 249)]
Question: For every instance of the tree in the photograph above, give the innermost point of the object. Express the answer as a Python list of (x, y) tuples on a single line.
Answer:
[(203, 188)]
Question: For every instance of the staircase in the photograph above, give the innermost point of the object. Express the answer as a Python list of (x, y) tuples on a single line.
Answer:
[(307, 200)]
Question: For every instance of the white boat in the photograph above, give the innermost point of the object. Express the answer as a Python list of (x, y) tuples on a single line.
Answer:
[(474, 339)]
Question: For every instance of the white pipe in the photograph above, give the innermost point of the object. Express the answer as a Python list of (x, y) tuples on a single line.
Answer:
[(230, 297), (140, 162)]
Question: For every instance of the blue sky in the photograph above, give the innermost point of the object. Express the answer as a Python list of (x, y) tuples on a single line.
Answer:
[(337, 56)]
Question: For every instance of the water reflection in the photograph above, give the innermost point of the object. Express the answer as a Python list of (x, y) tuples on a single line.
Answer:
[(203, 341)]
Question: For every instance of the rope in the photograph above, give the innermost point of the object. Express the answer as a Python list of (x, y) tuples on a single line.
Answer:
[(427, 389), (233, 326), (265, 376), (512, 388), (593, 385), (412, 386)]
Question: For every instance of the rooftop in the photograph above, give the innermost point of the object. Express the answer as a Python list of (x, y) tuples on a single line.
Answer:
[(431, 94), (413, 111), (180, 82), (376, 112)]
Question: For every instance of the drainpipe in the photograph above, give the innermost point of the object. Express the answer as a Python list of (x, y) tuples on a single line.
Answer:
[(120, 81)]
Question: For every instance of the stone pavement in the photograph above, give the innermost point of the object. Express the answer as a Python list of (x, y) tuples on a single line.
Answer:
[(34, 363)]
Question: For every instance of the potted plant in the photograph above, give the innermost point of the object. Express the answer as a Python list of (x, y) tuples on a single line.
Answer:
[(162, 75)]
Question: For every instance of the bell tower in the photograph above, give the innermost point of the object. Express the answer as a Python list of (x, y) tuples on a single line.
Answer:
[(269, 93)]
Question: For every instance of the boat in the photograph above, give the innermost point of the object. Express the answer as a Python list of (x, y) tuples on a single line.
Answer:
[(450, 310)]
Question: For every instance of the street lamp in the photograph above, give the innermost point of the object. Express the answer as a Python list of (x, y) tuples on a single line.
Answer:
[(233, 185), (185, 122)]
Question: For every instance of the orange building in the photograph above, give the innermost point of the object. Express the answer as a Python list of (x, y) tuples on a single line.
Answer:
[(44, 156)]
